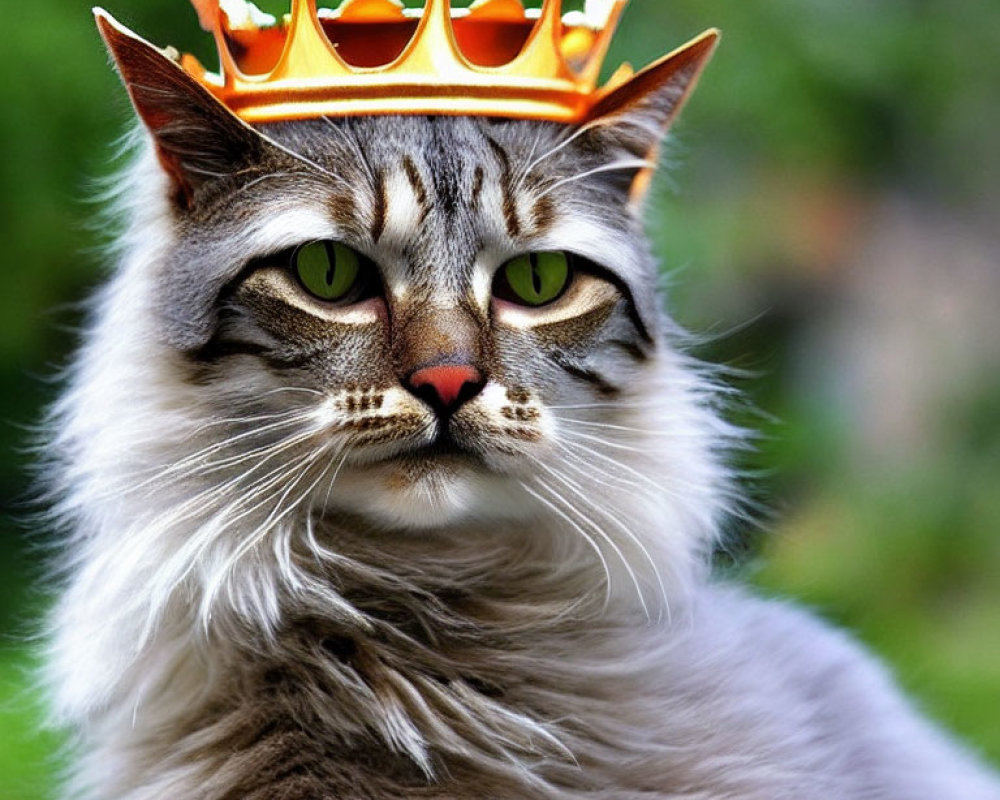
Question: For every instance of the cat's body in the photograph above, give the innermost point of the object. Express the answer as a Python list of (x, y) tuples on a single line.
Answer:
[(288, 582)]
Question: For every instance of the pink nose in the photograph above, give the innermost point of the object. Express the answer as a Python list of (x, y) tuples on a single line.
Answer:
[(448, 386)]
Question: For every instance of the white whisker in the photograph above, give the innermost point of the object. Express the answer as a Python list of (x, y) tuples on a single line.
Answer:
[(598, 440), (579, 492), (669, 489), (269, 176), (624, 404), (278, 512), (352, 143), (586, 537), (333, 478), (196, 463), (615, 166), (301, 158), (284, 389), (653, 488), (561, 145), (645, 433)]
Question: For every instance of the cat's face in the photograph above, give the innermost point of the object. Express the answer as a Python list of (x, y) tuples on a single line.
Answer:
[(425, 381), (421, 322)]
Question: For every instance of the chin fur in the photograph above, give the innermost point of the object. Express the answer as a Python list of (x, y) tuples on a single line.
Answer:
[(430, 493)]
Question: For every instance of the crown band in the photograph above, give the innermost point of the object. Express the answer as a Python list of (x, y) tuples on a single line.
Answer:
[(493, 59)]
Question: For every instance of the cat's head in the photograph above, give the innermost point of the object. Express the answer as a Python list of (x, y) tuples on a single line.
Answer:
[(420, 321)]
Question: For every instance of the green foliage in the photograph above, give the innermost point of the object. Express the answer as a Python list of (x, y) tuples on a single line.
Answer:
[(809, 115), (28, 757)]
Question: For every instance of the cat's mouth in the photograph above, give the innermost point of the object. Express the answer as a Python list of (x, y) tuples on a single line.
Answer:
[(445, 446)]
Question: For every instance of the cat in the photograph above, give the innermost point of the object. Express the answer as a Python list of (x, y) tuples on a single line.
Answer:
[(384, 475)]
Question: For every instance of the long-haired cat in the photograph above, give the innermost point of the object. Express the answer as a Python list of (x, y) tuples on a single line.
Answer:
[(383, 476)]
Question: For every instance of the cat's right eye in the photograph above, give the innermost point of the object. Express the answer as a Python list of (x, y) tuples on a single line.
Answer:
[(329, 271)]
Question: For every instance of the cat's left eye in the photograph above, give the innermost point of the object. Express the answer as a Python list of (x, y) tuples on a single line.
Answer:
[(533, 279), (328, 270)]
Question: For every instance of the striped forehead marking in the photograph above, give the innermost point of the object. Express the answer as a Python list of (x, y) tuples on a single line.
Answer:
[(405, 203)]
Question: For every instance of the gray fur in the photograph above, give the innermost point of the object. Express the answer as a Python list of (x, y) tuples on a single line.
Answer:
[(277, 589)]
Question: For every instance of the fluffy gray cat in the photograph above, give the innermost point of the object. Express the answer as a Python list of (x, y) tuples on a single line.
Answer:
[(383, 476)]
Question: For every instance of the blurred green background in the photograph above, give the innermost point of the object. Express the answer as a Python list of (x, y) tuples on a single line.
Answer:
[(828, 220)]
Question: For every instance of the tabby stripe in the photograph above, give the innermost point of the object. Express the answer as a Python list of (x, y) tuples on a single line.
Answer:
[(542, 214), (507, 186), (477, 186), (343, 212), (631, 348), (413, 176), (591, 377), (216, 351), (378, 220)]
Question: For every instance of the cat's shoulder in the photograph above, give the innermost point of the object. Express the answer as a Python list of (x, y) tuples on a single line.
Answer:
[(743, 624), (780, 653), (771, 671)]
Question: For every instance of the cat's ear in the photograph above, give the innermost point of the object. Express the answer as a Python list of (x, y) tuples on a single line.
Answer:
[(636, 116), (197, 138)]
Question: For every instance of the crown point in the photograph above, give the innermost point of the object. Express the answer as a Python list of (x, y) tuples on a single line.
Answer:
[(208, 13), (542, 53), (308, 52), (436, 15), (621, 76), (433, 50), (550, 16), (603, 16)]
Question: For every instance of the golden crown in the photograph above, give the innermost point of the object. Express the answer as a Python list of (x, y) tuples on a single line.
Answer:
[(494, 58)]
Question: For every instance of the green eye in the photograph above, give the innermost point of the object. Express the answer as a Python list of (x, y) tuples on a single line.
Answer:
[(534, 279), (327, 270)]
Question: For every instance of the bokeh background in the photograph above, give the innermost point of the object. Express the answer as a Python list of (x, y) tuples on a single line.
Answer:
[(829, 222)]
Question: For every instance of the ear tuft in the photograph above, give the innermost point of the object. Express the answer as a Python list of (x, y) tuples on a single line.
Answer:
[(636, 116), (197, 138)]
